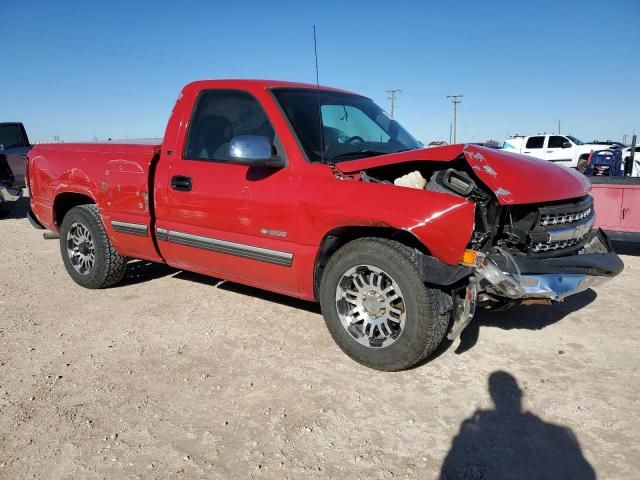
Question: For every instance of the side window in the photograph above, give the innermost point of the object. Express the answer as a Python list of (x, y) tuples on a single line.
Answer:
[(535, 142), (219, 116), (556, 141)]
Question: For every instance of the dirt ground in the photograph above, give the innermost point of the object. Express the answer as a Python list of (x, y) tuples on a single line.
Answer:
[(176, 375)]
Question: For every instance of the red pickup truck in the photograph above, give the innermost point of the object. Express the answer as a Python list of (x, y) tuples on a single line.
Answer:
[(317, 193)]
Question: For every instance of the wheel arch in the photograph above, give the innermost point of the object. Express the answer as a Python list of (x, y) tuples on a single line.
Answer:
[(340, 236), (65, 201)]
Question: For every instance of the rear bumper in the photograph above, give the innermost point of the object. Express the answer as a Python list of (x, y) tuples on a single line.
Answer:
[(551, 278)]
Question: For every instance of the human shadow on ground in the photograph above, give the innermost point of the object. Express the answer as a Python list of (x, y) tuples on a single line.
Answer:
[(508, 443), (529, 317)]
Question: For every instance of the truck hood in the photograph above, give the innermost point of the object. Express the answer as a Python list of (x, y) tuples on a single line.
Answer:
[(514, 179)]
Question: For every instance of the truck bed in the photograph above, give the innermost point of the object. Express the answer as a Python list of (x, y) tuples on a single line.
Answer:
[(114, 175)]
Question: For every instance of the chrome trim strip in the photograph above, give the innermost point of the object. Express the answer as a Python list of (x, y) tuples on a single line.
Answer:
[(268, 255), (139, 229), (162, 234)]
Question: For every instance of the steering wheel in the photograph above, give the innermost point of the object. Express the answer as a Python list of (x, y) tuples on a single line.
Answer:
[(354, 138)]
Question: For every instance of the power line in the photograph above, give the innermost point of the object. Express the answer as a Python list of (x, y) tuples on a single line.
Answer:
[(455, 99), (392, 97)]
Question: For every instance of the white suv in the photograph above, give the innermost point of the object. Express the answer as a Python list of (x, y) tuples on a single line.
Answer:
[(563, 149)]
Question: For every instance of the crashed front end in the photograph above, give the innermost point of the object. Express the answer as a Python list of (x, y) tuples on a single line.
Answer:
[(533, 239), (537, 252), (545, 252)]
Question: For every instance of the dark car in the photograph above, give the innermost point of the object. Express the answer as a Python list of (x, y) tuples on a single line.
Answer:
[(14, 146)]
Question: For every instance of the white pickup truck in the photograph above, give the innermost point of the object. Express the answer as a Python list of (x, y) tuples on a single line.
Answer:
[(563, 149)]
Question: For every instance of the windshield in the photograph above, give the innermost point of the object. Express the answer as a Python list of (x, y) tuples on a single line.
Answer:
[(575, 140), (333, 127)]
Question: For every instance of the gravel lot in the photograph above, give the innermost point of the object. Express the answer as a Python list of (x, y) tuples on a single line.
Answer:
[(176, 375)]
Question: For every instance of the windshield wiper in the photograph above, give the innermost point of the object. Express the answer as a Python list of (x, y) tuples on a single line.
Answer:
[(357, 154)]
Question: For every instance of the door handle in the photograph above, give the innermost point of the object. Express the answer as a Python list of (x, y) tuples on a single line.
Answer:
[(181, 183), (624, 212), (549, 151), (526, 152)]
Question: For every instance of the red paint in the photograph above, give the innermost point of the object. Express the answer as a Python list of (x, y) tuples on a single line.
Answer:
[(229, 202)]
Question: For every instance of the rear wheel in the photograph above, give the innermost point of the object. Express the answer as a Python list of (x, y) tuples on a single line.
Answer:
[(377, 308), (87, 253)]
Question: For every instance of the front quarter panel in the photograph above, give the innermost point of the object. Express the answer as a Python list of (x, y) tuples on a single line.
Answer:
[(442, 222)]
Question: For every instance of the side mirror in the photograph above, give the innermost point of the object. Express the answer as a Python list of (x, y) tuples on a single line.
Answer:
[(253, 150), (566, 144)]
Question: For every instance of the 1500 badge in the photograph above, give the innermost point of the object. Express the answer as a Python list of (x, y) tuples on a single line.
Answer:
[(274, 233)]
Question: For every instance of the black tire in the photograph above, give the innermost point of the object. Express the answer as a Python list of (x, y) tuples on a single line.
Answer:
[(108, 267), (427, 318)]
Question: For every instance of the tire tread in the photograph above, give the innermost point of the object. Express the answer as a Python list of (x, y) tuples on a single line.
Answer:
[(115, 265), (429, 301)]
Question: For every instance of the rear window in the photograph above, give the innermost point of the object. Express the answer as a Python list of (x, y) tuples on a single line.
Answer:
[(535, 142)]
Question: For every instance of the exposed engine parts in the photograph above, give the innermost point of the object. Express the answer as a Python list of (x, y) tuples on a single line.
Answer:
[(411, 180), (514, 232)]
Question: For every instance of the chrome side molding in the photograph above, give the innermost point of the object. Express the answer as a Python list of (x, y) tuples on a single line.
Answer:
[(139, 229)]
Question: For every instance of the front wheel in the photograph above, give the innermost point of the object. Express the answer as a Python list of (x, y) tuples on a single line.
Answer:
[(87, 253), (377, 308)]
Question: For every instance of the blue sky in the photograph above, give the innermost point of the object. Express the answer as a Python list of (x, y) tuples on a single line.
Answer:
[(114, 69)]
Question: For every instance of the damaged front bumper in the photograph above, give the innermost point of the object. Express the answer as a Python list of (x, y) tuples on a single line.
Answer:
[(551, 278)]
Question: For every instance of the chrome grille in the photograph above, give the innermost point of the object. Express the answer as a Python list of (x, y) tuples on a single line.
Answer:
[(562, 226), (539, 247), (547, 219)]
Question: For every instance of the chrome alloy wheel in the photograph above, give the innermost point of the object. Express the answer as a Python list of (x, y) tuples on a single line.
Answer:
[(80, 248), (371, 306)]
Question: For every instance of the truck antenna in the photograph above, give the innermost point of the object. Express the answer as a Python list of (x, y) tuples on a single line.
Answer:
[(315, 49)]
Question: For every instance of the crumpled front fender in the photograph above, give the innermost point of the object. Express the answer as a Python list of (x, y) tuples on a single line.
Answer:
[(442, 222), (446, 232)]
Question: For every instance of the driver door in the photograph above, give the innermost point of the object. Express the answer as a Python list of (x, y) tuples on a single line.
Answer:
[(226, 219)]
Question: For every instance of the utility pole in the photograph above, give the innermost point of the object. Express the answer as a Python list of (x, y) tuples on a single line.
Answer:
[(392, 97), (558, 127), (456, 100)]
